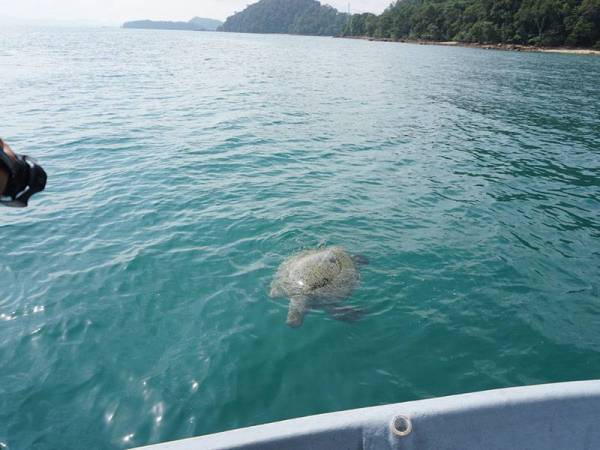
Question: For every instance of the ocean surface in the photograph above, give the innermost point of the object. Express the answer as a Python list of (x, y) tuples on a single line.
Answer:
[(184, 167)]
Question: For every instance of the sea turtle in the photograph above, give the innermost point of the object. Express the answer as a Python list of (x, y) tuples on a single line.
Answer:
[(318, 278)]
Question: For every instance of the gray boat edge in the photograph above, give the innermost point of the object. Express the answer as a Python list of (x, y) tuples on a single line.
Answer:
[(542, 417)]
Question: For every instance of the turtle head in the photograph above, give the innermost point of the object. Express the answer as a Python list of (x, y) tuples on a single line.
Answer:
[(297, 311), (295, 318)]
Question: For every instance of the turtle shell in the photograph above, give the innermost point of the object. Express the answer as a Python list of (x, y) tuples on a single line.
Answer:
[(320, 274)]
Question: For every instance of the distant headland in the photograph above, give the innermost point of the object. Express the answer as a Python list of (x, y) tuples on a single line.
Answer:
[(307, 17), (196, 24)]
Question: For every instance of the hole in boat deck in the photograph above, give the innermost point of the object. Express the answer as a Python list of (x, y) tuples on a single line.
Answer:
[(401, 425)]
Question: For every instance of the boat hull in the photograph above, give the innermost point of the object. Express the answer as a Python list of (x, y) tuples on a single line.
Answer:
[(543, 417)]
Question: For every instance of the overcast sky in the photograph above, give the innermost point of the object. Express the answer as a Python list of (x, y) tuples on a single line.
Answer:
[(118, 11)]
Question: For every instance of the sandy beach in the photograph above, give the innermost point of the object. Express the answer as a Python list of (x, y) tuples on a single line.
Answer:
[(504, 47)]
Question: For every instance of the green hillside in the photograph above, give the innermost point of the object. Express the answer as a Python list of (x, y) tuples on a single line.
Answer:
[(534, 22), (288, 16)]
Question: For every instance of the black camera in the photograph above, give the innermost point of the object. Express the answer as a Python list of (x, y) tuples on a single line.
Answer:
[(25, 178)]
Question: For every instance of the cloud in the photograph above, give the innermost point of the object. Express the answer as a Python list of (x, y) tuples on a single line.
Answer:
[(118, 11)]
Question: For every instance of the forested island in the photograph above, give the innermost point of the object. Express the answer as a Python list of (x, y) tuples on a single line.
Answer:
[(539, 23), (574, 23), (307, 17), (196, 24)]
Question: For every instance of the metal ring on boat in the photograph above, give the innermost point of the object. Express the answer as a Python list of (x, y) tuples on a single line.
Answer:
[(401, 425)]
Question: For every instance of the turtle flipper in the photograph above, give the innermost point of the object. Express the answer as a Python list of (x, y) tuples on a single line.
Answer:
[(360, 260), (346, 313), (297, 311)]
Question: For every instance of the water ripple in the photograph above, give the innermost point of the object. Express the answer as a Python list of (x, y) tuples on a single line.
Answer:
[(185, 166)]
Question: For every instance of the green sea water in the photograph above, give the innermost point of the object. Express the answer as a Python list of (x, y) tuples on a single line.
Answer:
[(184, 167)]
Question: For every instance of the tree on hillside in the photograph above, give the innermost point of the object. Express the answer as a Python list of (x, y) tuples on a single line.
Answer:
[(543, 20), (585, 25)]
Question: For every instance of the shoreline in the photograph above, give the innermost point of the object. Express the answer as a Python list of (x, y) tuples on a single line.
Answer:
[(503, 47)]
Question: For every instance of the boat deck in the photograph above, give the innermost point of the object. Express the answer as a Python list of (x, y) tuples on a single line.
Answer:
[(543, 417)]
